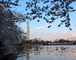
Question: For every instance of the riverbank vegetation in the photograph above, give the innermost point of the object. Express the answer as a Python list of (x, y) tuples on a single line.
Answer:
[(56, 42)]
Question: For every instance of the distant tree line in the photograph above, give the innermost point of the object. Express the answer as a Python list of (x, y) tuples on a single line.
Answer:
[(63, 41), (56, 42)]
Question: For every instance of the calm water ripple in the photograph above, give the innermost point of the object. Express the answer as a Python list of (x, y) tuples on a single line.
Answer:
[(54, 52)]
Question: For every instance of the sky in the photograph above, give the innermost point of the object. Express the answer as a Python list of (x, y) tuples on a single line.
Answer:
[(40, 30)]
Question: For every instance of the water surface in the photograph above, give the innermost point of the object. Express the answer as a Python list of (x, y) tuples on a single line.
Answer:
[(52, 52)]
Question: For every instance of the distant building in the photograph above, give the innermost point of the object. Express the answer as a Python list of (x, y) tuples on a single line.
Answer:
[(27, 30)]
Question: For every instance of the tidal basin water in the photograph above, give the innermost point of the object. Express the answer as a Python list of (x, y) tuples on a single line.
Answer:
[(51, 52)]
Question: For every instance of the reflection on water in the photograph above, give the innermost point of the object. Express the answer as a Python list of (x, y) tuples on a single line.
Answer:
[(63, 52), (52, 52)]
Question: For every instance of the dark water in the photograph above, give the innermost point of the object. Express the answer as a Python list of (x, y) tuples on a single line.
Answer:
[(52, 52), (57, 52)]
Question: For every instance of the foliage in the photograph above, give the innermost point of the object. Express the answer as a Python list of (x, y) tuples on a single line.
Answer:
[(10, 33), (8, 3), (50, 10)]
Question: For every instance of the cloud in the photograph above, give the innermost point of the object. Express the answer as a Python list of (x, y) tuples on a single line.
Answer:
[(39, 27), (74, 35), (54, 31), (65, 32), (54, 34), (46, 29), (42, 27)]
